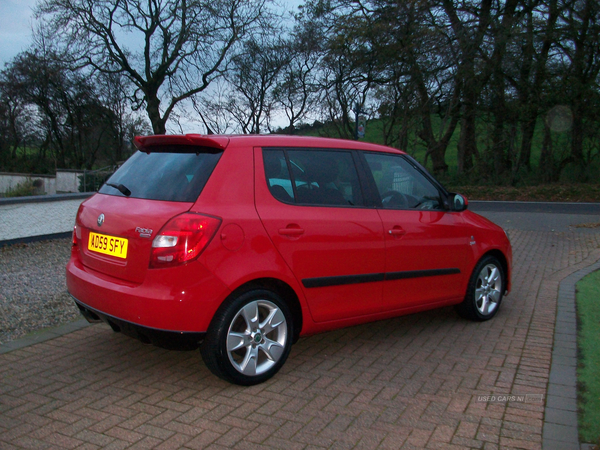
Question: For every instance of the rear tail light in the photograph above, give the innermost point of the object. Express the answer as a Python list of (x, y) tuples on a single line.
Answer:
[(182, 239), (76, 230), (76, 235)]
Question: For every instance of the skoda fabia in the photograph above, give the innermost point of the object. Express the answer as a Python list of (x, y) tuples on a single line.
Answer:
[(239, 245)]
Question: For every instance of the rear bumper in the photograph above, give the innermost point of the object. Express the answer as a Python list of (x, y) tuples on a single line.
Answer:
[(182, 299), (172, 340)]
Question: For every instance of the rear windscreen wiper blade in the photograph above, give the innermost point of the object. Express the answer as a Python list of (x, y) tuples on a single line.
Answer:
[(122, 189)]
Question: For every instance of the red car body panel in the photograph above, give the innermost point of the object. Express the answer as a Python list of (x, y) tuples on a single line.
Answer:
[(241, 252), (431, 240), (167, 299), (489, 237), (254, 244), (122, 217), (326, 242)]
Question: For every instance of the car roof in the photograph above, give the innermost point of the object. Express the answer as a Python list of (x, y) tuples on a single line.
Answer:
[(221, 142)]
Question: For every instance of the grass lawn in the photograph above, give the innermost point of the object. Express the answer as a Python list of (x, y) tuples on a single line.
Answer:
[(588, 371)]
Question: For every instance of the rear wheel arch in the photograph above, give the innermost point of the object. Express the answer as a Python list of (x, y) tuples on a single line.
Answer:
[(249, 338), (281, 288)]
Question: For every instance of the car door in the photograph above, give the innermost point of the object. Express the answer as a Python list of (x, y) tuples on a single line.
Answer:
[(311, 204), (426, 245)]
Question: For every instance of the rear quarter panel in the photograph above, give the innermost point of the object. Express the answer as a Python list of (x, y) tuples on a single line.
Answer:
[(230, 195)]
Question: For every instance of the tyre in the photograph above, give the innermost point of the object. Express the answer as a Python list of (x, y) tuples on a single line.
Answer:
[(249, 339), (485, 290)]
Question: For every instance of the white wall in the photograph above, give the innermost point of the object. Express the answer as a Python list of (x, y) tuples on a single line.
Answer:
[(10, 181), (67, 180), (63, 181)]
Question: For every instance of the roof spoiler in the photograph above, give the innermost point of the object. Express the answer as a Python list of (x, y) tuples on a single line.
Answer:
[(145, 143)]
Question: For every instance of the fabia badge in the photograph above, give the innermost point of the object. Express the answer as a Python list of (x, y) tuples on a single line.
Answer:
[(100, 220), (144, 232)]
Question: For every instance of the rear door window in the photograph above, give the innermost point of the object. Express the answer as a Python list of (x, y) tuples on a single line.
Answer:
[(313, 177), (174, 173), (278, 175)]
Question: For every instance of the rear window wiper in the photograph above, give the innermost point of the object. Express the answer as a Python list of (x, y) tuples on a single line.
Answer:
[(122, 189)]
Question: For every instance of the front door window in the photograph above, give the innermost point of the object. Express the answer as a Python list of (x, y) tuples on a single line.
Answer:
[(426, 246)]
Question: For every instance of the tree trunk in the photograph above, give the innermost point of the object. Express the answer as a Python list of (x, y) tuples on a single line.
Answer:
[(530, 94), (436, 149), (528, 122), (467, 145), (500, 139), (153, 110), (499, 145), (577, 131), (580, 82), (546, 159), (499, 135)]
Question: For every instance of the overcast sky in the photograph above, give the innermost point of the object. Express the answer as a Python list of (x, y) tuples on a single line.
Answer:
[(15, 28), (16, 20)]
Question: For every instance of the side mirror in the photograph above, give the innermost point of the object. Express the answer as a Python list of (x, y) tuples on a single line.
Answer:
[(459, 203)]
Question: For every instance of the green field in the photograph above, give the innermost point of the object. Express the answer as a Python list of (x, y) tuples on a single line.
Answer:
[(416, 148), (588, 371)]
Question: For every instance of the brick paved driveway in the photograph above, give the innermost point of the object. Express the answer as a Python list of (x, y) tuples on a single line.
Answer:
[(411, 382)]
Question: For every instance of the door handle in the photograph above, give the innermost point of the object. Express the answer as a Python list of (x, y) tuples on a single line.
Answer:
[(291, 230), (397, 231)]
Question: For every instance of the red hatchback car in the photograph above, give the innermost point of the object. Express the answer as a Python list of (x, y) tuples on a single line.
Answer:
[(241, 244)]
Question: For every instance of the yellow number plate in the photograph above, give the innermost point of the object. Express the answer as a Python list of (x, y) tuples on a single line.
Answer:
[(109, 245)]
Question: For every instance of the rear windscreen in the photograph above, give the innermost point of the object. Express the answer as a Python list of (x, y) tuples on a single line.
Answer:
[(178, 174)]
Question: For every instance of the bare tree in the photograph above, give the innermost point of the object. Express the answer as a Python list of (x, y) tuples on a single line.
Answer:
[(392, 56), (77, 119), (170, 50), (253, 75), (528, 68), (113, 92), (13, 119), (211, 110), (581, 45), (296, 91)]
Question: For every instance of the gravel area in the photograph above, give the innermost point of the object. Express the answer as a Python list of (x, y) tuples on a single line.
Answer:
[(33, 294)]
